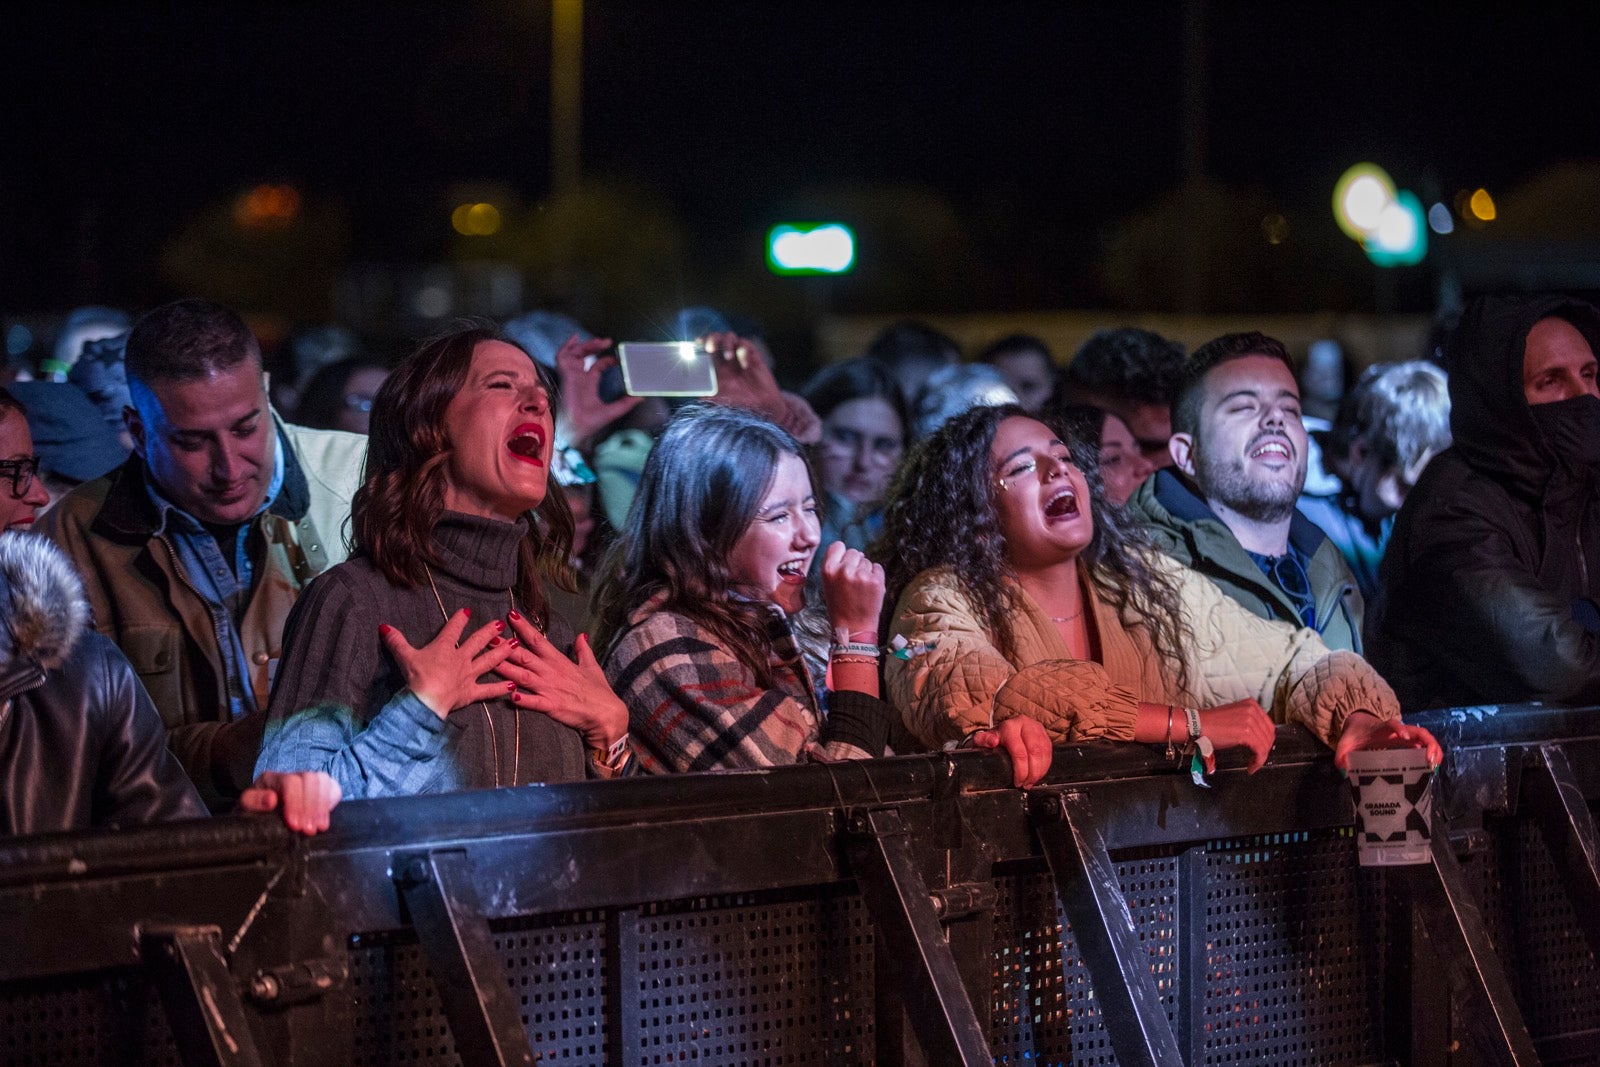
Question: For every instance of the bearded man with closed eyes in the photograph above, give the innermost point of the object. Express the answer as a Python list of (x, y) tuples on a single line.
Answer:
[(1226, 507)]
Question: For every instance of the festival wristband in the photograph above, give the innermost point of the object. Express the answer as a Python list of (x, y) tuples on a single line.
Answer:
[(613, 756)]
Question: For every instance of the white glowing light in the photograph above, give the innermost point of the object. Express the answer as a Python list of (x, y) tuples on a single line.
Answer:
[(1365, 203), (1360, 197), (1396, 230), (826, 249)]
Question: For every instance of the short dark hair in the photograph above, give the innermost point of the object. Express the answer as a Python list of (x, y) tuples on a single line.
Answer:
[(855, 379), (1015, 344), (323, 396), (909, 339), (187, 340), (1230, 346), (1125, 365)]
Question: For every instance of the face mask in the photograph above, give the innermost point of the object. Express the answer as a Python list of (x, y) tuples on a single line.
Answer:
[(1571, 429)]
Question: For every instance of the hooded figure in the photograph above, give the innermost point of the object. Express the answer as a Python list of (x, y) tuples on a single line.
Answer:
[(81, 746), (1492, 575)]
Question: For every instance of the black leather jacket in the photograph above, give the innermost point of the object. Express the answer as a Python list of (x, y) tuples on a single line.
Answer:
[(81, 745), (1494, 564)]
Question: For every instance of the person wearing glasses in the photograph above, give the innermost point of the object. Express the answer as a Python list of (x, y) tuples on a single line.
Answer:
[(1019, 594), (864, 426), (1226, 507), (339, 395), (22, 494)]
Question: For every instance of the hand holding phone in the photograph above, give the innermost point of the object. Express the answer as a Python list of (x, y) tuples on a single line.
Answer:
[(671, 368), (586, 404)]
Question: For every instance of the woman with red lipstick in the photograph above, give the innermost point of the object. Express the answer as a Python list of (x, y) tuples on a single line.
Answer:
[(430, 662), (703, 619), (1032, 599)]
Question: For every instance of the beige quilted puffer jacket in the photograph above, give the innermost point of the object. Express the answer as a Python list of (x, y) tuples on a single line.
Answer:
[(963, 683)]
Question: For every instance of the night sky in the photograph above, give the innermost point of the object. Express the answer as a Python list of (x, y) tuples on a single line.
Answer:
[(1041, 125)]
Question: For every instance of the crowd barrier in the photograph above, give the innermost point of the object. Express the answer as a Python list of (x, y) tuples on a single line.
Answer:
[(896, 911)]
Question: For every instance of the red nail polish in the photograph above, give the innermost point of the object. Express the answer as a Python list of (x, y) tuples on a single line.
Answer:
[(515, 615), (515, 643), (511, 687), (499, 627), (384, 628), (495, 643)]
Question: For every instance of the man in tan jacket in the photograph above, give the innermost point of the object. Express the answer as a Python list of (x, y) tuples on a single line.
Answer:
[(193, 551)]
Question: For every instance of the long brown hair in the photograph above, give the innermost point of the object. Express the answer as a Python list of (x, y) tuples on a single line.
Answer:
[(700, 490), (402, 491)]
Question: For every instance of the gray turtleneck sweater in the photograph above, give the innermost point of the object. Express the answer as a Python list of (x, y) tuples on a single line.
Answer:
[(339, 703)]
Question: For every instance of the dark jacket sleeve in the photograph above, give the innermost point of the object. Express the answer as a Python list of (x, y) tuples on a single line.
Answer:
[(863, 721), (138, 779)]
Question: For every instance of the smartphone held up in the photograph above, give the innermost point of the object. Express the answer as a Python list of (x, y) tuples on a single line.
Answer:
[(668, 368)]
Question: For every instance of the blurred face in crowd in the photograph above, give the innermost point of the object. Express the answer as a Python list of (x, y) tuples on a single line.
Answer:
[(1379, 488), (1122, 465), (774, 552), (1250, 452), (1557, 363), (208, 443), (355, 413), (580, 499), (1041, 498), (22, 494), (1028, 373), (862, 441), (1151, 427), (500, 428)]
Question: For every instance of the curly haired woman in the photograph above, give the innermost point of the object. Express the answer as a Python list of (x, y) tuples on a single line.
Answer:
[(1023, 594), (703, 620)]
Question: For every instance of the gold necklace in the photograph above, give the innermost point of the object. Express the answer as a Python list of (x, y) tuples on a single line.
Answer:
[(494, 741)]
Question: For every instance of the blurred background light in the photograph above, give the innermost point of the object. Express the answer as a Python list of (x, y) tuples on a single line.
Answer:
[(476, 220), (810, 248), (1401, 237), (1481, 205), (18, 339), (1360, 197), (267, 207), (1439, 219)]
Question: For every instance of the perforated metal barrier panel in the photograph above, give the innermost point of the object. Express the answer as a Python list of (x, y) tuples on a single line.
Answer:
[(1290, 976), (1537, 933), (1262, 949), (556, 965), (85, 1021), (1290, 967), (766, 981)]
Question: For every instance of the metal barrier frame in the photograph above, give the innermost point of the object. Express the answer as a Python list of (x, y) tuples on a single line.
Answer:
[(245, 929)]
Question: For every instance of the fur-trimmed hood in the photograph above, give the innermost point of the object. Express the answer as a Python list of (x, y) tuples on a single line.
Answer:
[(42, 608)]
